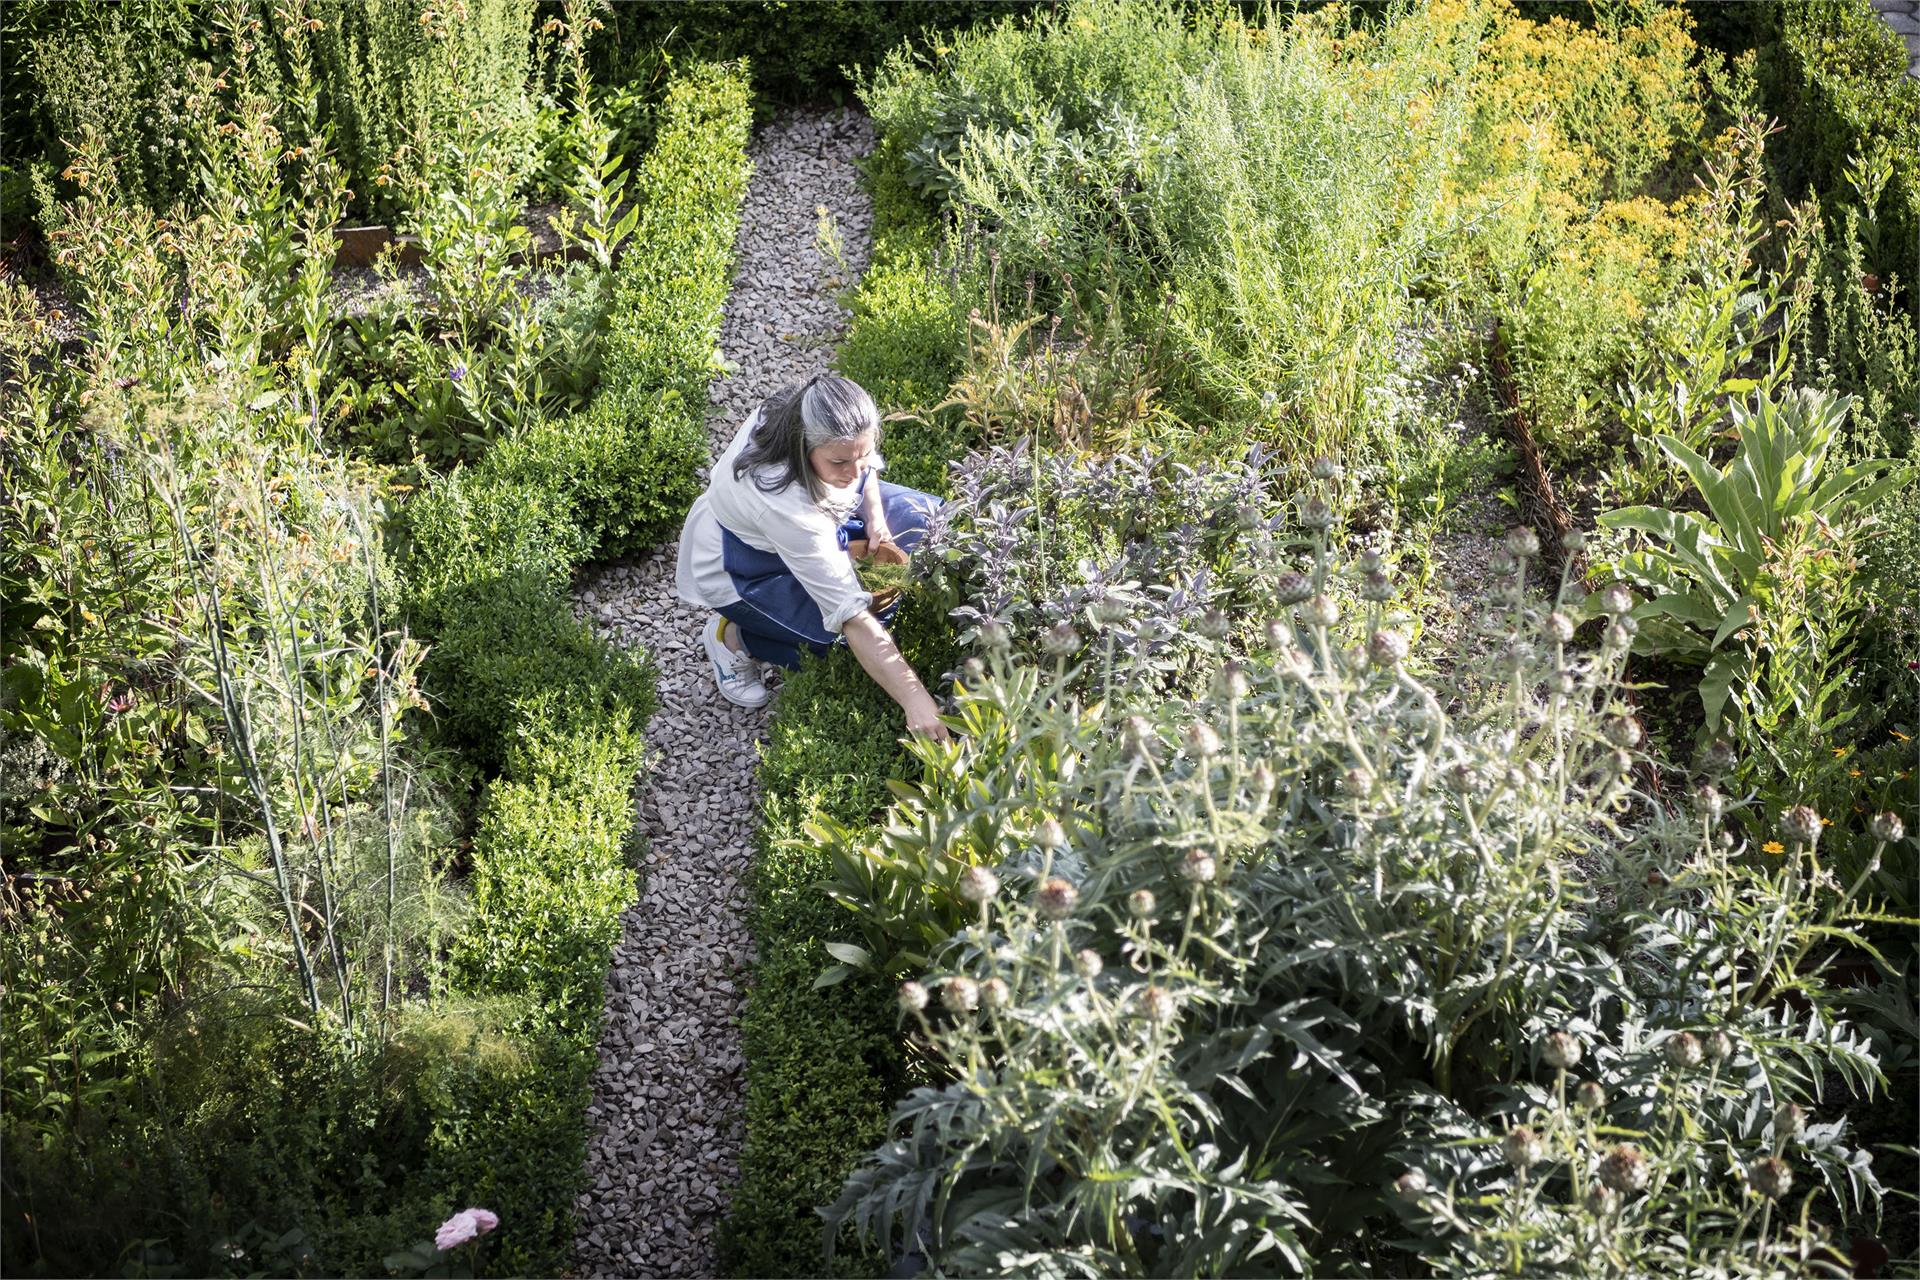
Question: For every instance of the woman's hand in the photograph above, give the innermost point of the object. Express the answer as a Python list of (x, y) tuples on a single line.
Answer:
[(923, 718)]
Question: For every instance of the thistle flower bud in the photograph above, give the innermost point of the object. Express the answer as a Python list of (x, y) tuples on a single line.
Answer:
[(1138, 736), (1801, 825), (1386, 648), (1056, 898), (1198, 867), (1050, 835), (973, 672), (1156, 1004), (1215, 624), (1621, 763), (1624, 1170), (1294, 661), (1230, 682), (1573, 541), (1618, 637), (1559, 627), (1466, 780), (1789, 1121), (1355, 657), (1684, 1051), (1202, 739), (1087, 963), (1521, 542), (1523, 1147), (1601, 1200), (1616, 600), (1718, 1046), (1292, 588), (1708, 802), (1590, 1096), (960, 995), (1140, 904), (913, 997), (1320, 611), (1325, 468), (1410, 1185), (1262, 780), (1771, 1177), (1717, 758), (1377, 587), (1316, 515), (1886, 826), (1623, 732), (1061, 640), (978, 885), (1109, 612), (1500, 563), (1357, 783), (995, 635), (1559, 1050), (1370, 561), (1249, 516), (995, 994)]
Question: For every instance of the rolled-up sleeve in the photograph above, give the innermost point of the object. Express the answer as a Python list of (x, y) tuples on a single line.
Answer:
[(811, 548)]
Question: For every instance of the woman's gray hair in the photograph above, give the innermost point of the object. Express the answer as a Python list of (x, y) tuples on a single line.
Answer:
[(801, 418)]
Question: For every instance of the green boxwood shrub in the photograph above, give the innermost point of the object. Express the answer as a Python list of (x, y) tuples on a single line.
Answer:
[(510, 643), (669, 289), (552, 870), (469, 528), (625, 470)]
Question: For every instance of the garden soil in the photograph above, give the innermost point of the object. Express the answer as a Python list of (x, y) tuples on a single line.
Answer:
[(666, 1120)]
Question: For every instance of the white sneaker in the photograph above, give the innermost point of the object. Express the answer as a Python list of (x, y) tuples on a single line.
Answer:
[(735, 673)]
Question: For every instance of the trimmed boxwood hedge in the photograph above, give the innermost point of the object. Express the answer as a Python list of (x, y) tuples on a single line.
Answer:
[(486, 555)]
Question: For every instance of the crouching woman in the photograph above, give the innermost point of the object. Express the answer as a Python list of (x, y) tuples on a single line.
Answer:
[(770, 546)]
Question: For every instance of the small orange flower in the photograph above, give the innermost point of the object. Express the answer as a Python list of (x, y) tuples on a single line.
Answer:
[(1773, 846), (1840, 751)]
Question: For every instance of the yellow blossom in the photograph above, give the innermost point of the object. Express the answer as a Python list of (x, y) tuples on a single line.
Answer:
[(1773, 846)]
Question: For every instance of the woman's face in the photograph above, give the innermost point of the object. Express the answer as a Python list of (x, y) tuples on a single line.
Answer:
[(840, 462)]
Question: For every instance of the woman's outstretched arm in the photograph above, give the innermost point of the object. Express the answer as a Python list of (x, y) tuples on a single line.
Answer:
[(882, 659)]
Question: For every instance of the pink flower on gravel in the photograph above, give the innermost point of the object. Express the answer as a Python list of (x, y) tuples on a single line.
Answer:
[(464, 1226)]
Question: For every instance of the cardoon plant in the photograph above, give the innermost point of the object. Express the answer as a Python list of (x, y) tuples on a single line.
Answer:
[(1284, 929)]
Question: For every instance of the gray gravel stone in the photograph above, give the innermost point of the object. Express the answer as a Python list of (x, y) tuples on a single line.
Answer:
[(666, 1121)]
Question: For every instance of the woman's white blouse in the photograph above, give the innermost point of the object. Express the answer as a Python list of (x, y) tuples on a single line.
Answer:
[(802, 532)]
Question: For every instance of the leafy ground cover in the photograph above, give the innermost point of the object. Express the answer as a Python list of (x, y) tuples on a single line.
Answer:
[(281, 996), (1245, 930)]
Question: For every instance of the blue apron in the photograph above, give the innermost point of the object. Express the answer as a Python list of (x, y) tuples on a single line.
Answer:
[(778, 620)]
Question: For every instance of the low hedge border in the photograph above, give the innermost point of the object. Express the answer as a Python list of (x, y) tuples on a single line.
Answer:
[(824, 1066), (532, 692)]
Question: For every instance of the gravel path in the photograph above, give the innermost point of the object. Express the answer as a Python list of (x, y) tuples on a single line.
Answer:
[(666, 1117), (1904, 17)]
